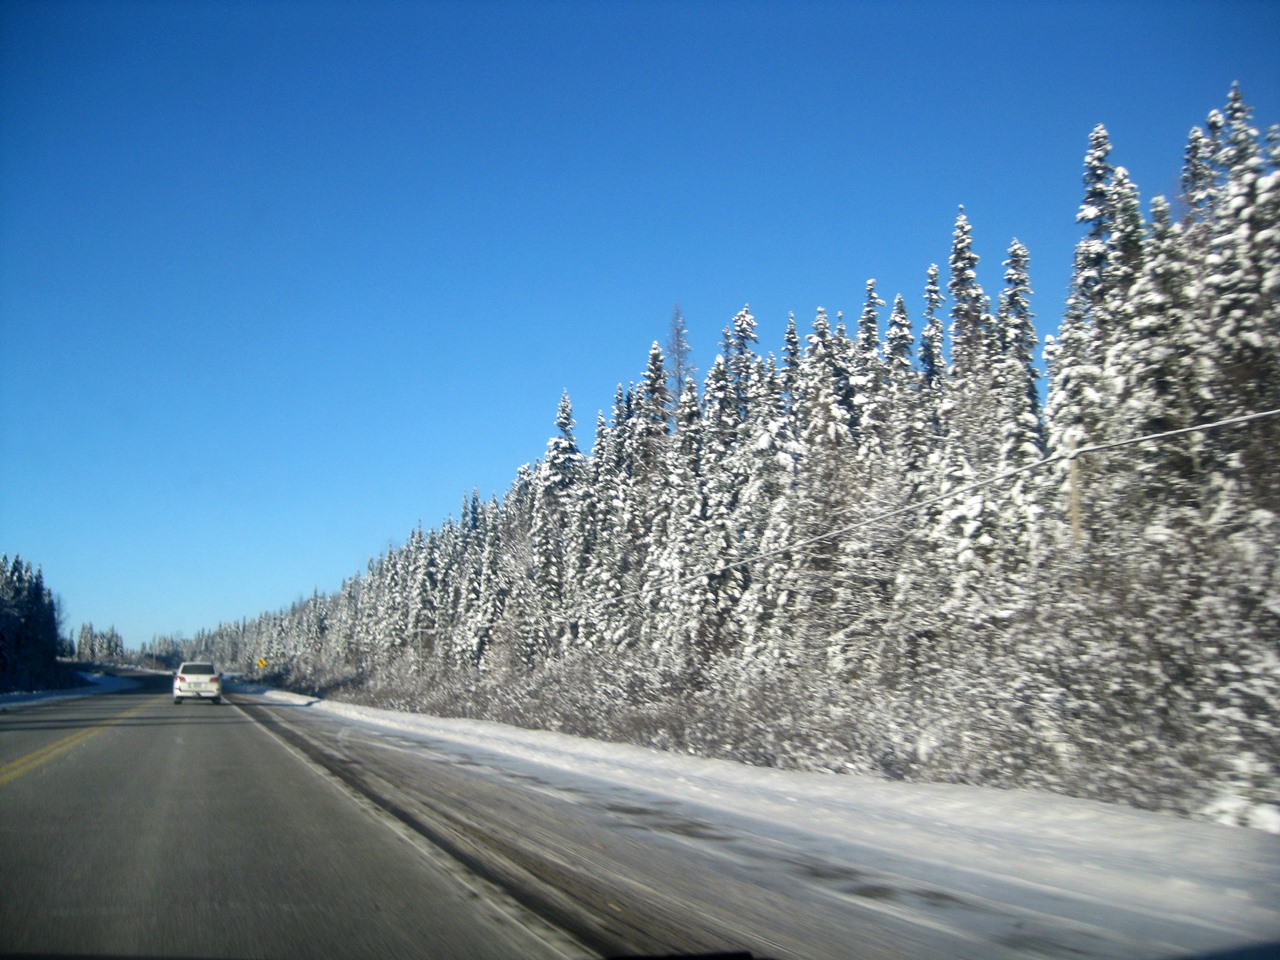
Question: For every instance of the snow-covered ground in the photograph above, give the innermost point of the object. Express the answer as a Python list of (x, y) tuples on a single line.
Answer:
[(1144, 876), (96, 683)]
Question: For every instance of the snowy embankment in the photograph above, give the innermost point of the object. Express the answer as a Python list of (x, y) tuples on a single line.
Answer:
[(1002, 847), (94, 683)]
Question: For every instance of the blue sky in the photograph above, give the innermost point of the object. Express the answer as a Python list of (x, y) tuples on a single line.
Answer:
[(280, 280)]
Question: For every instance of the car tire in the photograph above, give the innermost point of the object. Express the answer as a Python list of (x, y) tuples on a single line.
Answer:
[(177, 701), (217, 700)]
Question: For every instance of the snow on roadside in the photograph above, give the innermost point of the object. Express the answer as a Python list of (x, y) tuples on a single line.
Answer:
[(96, 683), (960, 834)]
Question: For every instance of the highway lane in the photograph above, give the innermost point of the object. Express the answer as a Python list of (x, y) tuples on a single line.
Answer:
[(133, 827)]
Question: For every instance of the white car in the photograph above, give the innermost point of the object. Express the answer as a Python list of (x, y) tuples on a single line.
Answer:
[(199, 681)]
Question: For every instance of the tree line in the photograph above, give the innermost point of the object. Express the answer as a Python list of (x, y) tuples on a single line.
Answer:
[(30, 642), (877, 549), (31, 638), (98, 646)]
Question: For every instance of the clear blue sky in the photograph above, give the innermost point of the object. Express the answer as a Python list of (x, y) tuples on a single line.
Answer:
[(279, 280)]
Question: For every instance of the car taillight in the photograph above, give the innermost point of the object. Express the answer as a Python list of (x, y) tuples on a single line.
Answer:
[(181, 678)]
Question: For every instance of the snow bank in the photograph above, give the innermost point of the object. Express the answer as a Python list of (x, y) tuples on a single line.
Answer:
[(1021, 836), (97, 683), (1086, 872)]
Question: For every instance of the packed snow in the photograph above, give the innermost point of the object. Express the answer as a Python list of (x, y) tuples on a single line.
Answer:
[(1137, 872)]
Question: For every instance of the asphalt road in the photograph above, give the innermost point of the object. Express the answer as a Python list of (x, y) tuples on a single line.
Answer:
[(133, 827)]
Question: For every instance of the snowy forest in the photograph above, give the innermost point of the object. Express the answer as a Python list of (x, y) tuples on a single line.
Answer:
[(889, 547), (30, 642)]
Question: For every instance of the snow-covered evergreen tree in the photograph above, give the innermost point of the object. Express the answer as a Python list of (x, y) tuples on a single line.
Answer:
[(973, 353), (812, 564)]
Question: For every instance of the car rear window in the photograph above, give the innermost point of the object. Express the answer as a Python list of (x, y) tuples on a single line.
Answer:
[(197, 668)]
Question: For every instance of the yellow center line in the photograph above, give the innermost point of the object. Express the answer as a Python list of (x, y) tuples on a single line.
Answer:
[(16, 768)]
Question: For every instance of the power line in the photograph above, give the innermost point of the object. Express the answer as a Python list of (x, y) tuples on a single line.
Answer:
[(1150, 437), (928, 502)]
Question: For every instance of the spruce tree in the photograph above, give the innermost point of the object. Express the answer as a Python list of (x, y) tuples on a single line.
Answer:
[(1015, 395), (972, 354), (679, 354), (867, 376), (933, 367)]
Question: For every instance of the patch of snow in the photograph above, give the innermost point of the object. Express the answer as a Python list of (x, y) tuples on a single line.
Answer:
[(1237, 811), (97, 683), (1020, 847)]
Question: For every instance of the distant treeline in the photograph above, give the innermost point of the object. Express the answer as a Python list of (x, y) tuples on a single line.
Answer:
[(858, 555), (31, 639), (30, 643), (98, 646)]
